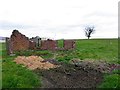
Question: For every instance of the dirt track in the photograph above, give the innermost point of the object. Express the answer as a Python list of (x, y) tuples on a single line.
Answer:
[(70, 76)]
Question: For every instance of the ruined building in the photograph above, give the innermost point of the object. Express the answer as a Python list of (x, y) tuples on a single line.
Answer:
[(19, 42)]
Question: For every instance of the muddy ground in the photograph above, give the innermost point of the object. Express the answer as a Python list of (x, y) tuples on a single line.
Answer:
[(76, 74), (70, 76)]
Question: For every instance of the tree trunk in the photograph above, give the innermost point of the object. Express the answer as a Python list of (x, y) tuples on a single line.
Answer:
[(88, 37)]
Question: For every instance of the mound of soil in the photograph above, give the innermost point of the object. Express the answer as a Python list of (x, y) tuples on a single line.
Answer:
[(99, 65), (34, 62), (70, 76)]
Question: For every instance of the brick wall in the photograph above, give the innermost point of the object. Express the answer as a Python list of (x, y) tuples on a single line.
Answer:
[(52, 44), (19, 41), (9, 47), (69, 44), (48, 45), (44, 45), (32, 45)]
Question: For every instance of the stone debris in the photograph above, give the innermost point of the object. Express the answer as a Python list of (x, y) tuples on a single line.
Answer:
[(34, 62)]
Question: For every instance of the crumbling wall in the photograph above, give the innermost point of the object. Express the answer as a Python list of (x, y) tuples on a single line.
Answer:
[(32, 45), (69, 44), (18, 41), (44, 45), (49, 45), (9, 47), (52, 44)]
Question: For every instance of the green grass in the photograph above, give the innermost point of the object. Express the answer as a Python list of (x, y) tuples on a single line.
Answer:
[(16, 76), (98, 49), (111, 81), (106, 50), (60, 43), (43, 53), (102, 49), (1, 49)]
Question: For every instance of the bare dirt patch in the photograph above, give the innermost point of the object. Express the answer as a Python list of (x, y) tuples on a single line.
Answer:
[(70, 76), (34, 62), (77, 74)]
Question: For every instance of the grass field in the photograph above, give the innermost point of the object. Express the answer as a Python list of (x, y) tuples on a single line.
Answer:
[(16, 76), (102, 49), (106, 50)]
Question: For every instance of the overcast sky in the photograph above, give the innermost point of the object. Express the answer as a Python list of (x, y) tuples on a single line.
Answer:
[(59, 18)]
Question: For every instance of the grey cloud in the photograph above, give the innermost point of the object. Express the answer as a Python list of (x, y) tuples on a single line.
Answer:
[(11, 25)]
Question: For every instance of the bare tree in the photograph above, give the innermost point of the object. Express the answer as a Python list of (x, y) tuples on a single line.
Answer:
[(89, 30)]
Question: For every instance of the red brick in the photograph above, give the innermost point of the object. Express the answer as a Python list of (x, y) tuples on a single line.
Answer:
[(69, 44), (19, 41)]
